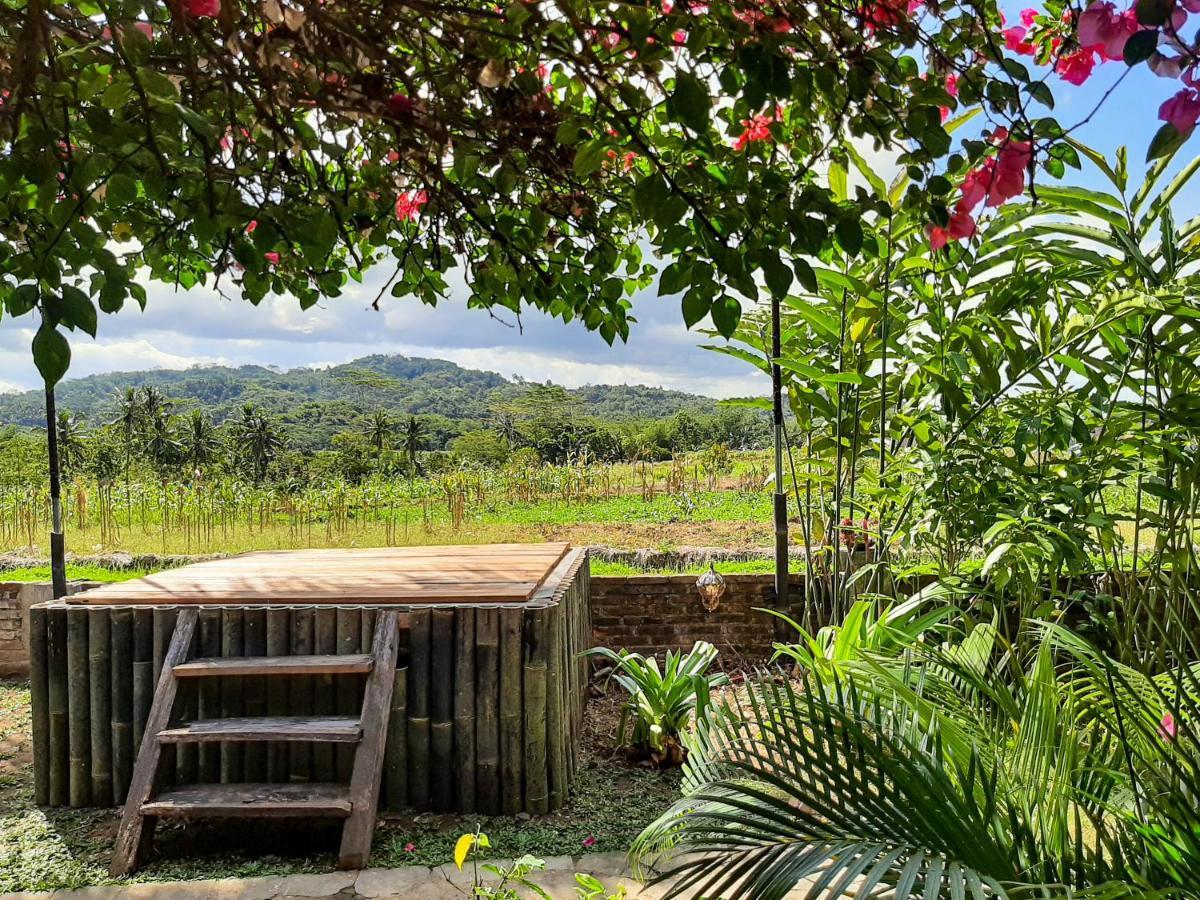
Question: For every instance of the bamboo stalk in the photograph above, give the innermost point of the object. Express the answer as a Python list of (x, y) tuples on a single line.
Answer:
[(255, 691), (277, 692), (347, 688), (233, 641), (300, 695), (324, 697), (79, 736), (100, 687), (56, 654), (556, 727), (537, 781), (464, 708), (121, 700), (512, 754), (209, 694), (395, 759), (418, 709), (163, 626), (143, 672), (39, 701), (487, 705), (441, 697)]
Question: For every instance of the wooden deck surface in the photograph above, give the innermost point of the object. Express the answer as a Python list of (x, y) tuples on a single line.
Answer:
[(487, 573)]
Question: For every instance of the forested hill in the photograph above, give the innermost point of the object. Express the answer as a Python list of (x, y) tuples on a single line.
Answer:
[(315, 404)]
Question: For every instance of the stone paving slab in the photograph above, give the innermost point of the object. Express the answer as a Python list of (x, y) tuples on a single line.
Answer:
[(409, 883)]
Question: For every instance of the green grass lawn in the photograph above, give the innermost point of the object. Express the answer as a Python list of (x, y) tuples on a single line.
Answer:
[(47, 849), (74, 573)]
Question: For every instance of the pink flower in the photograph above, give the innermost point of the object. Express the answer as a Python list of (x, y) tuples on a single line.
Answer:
[(1190, 5), (410, 847), (1167, 728), (408, 205), (1103, 29), (202, 9), (272, 257), (884, 14), (1014, 40), (1182, 110), (961, 224), (975, 186), (589, 841), (952, 84), (400, 105), (938, 236), (757, 129), (251, 225), (1027, 16), (629, 159), (1076, 68), (679, 37), (393, 156)]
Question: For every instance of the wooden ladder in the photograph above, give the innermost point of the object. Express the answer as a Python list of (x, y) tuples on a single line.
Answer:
[(356, 802)]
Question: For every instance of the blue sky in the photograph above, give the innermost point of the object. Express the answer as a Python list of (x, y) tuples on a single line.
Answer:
[(184, 328)]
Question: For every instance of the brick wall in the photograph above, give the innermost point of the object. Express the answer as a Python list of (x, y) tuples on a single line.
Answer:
[(655, 613), (15, 599)]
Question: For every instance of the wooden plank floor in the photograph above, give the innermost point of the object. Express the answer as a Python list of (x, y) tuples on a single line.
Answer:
[(486, 573)]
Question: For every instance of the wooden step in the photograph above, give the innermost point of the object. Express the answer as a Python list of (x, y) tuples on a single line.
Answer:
[(339, 729), (197, 801), (348, 664)]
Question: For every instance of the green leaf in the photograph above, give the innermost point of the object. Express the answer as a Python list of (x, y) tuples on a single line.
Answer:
[(77, 310), (121, 190), (805, 275), (726, 313), (51, 354), (674, 278), (23, 298), (1153, 12), (695, 307), (778, 276), (1140, 46), (849, 235), (1165, 142), (590, 157), (689, 102)]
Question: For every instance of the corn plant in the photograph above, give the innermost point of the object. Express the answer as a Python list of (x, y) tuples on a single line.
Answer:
[(663, 701)]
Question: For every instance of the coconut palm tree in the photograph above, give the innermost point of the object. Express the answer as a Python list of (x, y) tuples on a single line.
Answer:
[(200, 443), (412, 440), (70, 443), (380, 433), (256, 440), (128, 422)]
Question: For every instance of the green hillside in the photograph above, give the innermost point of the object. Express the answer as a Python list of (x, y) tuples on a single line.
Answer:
[(315, 404)]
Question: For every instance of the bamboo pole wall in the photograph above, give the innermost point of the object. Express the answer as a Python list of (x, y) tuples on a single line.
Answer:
[(486, 710)]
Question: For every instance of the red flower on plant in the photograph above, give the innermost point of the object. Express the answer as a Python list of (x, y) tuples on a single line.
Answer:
[(1103, 29), (589, 841), (1182, 110), (408, 205), (1167, 728), (1076, 68), (272, 257), (202, 9), (410, 847)]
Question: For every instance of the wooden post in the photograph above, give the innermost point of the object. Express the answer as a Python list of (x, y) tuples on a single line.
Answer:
[(255, 688), (347, 687), (487, 707), (300, 695), (121, 640), (556, 705), (324, 698), (39, 699), (277, 692), (512, 750), (100, 687), (79, 704), (56, 654), (143, 671), (233, 641), (395, 760), (163, 625), (418, 709), (537, 782), (464, 708), (209, 690), (441, 695)]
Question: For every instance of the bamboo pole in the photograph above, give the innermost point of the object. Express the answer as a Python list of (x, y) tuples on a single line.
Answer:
[(464, 708), (512, 754), (395, 759), (418, 709), (277, 692), (187, 702), (556, 718), (255, 690), (163, 626), (143, 672), (300, 695), (79, 736), (537, 780), (100, 688), (39, 701), (209, 691), (487, 706), (233, 641), (121, 700), (324, 696), (348, 690), (441, 703), (57, 705)]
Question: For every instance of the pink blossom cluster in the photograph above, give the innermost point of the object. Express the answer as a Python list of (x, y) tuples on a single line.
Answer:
[(408, 205), (998, 180), (757, 128)]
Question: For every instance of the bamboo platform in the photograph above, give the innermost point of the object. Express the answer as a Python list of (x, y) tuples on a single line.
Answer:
[(488, 696)]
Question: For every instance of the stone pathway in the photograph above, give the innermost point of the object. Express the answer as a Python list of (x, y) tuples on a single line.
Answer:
[(409, 883)]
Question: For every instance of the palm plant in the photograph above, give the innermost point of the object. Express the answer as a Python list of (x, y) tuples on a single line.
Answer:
[(128, 421), (412, 440), (70, 442), (256, 440), (662, 702), (200, 443), (380, 433)]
